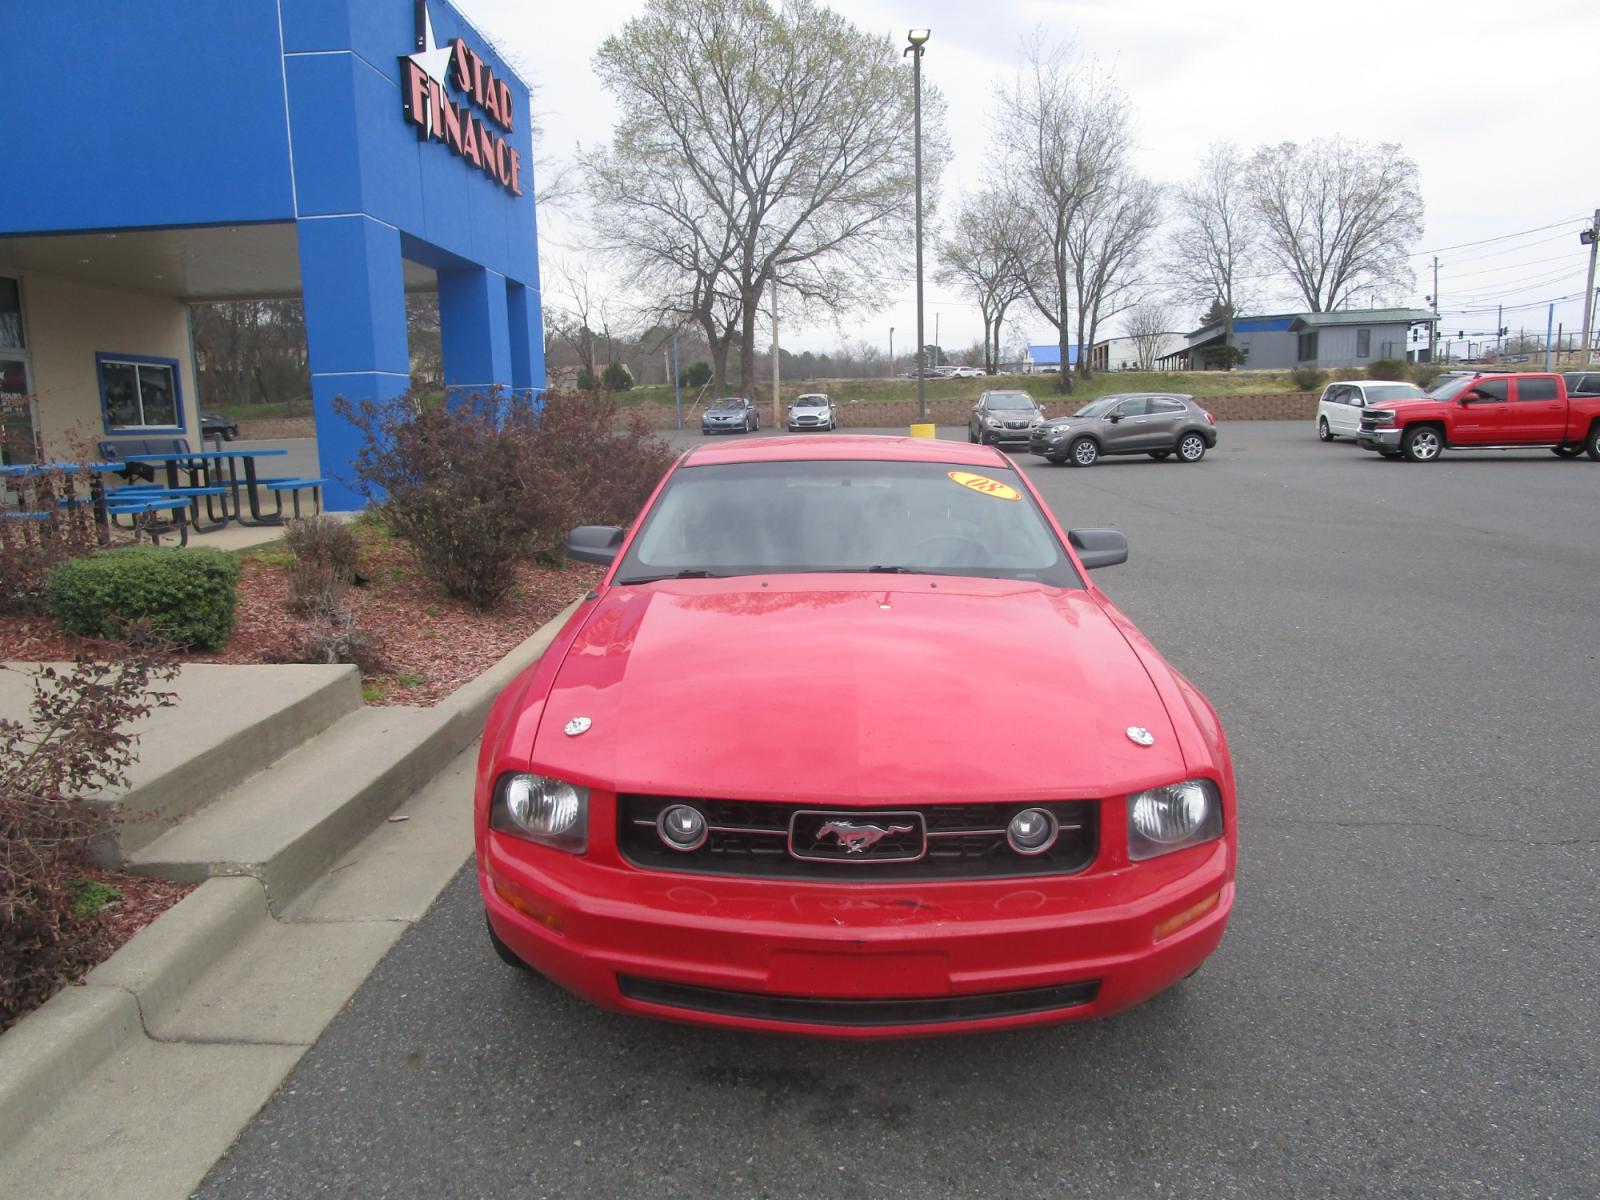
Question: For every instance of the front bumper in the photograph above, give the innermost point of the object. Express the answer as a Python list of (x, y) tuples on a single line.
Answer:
[(1005, 437), (723, 426), (857, 960), (1383, 440), (1038, 444)]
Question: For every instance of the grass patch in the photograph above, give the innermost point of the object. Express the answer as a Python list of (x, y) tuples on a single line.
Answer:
[(1041, 387), (90, 896), (372, 693), (411, 681)]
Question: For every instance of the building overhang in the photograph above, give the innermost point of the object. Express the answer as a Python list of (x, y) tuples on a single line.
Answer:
[(190, 263)]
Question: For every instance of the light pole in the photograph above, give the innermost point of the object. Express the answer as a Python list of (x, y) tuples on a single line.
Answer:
[(1590, 237), (891, 352), (918, 39)]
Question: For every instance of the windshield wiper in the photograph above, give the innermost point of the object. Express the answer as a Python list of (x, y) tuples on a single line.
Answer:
[(891, 570), (691, 573)]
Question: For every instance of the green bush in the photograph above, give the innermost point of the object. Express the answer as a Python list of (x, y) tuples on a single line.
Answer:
[(1309, 379), (1425, 374), (184, 597), (1387, 368), (616, 378)]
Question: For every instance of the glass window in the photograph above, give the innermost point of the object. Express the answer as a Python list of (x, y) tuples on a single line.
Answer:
[(1133, 408), (1536, 389), (140, 395), (1308, 346), (1493, 389), (1164, 405), (1363, 343), (846, 516), (1393, 391), (10, 314)]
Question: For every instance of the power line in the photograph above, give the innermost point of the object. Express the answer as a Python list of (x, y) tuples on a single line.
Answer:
[(1502, 238)]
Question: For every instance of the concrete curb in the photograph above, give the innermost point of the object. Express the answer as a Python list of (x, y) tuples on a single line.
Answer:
[(48, 1053)]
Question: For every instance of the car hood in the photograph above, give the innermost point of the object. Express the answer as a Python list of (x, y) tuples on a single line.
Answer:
[(725, 412), (822, 689), (1065, 422), (808, 408)]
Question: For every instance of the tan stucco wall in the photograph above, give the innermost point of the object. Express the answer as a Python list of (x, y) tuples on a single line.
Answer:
[(68, 324)]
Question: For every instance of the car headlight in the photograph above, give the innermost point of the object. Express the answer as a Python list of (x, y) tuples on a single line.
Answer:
[(1381, 419), (1170, 818), (539, 809), (995, 422)]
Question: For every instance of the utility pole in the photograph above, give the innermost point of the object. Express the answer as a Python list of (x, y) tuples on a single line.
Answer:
[(1499, 329), (891, 352), (1549, 328), (1433, 329), (776, 419), (1591, 237), (936, 341), (677, 387), (918, 38)]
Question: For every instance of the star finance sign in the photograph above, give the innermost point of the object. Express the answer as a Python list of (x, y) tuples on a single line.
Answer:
[(429, 81)]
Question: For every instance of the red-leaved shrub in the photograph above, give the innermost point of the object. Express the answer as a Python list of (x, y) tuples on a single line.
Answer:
[(75, 743), (477, 486)]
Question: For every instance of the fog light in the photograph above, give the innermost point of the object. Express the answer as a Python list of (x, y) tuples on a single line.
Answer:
[(1032, 831), (682, 827)]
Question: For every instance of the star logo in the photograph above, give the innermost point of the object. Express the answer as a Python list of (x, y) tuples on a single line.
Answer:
[(433, 60)]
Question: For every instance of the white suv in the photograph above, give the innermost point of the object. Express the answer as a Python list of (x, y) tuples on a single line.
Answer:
[(1339, 410)]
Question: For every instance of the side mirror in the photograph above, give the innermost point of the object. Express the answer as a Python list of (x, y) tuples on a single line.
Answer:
[(1113, 417), (594, 544), (1099, 547)]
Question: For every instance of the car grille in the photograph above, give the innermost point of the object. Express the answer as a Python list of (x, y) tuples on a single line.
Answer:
[(1017, 424), (962, 841), (805, 420), (813, 1010)]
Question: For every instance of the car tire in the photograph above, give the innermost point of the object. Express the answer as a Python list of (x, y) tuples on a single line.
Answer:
[(1191, 448), (1324, 434), (1084, 452), (1591, 443), (1055, 460), (229, 434), (1422, 443), (502, 951), (1566, 451), (1158, 455)]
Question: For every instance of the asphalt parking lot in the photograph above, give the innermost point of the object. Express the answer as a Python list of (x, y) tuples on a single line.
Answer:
[(1405, 658)]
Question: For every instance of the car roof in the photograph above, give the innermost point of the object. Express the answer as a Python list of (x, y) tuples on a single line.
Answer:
[(1376, 382), (1145, 396), (844, 448)]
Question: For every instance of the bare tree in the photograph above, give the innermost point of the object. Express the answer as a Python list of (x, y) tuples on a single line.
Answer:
[(1216, 247), (789, 131), (1148, 323), (579, 307), (1338, 216), (1062, 135), (1105, 245), (981, 256)]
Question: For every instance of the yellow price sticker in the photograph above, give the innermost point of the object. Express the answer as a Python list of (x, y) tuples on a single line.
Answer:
[(986, 486)]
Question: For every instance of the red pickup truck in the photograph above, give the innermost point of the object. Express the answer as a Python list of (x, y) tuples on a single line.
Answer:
[(1485, 412)]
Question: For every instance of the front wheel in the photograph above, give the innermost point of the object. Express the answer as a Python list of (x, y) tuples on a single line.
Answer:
[(229, 434), (1421, 444), (1084, 452), (1191, 448), (1324, 434), (1158, 455), (1566, 451)]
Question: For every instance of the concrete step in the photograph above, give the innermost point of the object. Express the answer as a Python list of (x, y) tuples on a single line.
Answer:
[(289, 823), (229, 723)]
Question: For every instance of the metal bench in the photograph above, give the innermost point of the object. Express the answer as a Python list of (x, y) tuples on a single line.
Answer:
[(144, 506), (294, 486)]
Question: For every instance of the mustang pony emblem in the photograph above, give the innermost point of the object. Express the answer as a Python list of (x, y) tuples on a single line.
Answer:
[(858, 839)]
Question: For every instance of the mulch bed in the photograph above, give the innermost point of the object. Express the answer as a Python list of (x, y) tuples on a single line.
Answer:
[(430, 644), (96, 938)]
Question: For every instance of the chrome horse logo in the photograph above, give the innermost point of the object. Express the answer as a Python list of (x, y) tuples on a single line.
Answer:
[(858, 839)]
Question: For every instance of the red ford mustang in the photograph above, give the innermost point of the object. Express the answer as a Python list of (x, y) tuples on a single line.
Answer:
[(846, 743)]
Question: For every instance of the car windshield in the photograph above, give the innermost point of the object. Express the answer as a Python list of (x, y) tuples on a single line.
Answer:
[(1098, 407), (1009, 400), (1451, 388), (1392, 391), (867, 516), (811, 402)]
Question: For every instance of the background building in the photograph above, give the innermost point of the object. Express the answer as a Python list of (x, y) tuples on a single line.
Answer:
[(1346, 338), (344, 151)]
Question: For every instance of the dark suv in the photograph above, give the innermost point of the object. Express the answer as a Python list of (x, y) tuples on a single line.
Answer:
[(1159, 424), (1000, 417), (1583, 383)]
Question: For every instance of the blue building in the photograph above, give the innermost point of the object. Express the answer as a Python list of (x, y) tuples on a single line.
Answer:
[(176, 151), (1047, 357)]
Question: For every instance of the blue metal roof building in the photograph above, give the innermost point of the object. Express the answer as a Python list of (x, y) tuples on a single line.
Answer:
[(1048, 356), (174, 151)]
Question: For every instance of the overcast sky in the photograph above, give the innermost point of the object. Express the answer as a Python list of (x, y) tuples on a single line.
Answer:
[(1496, 103)]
